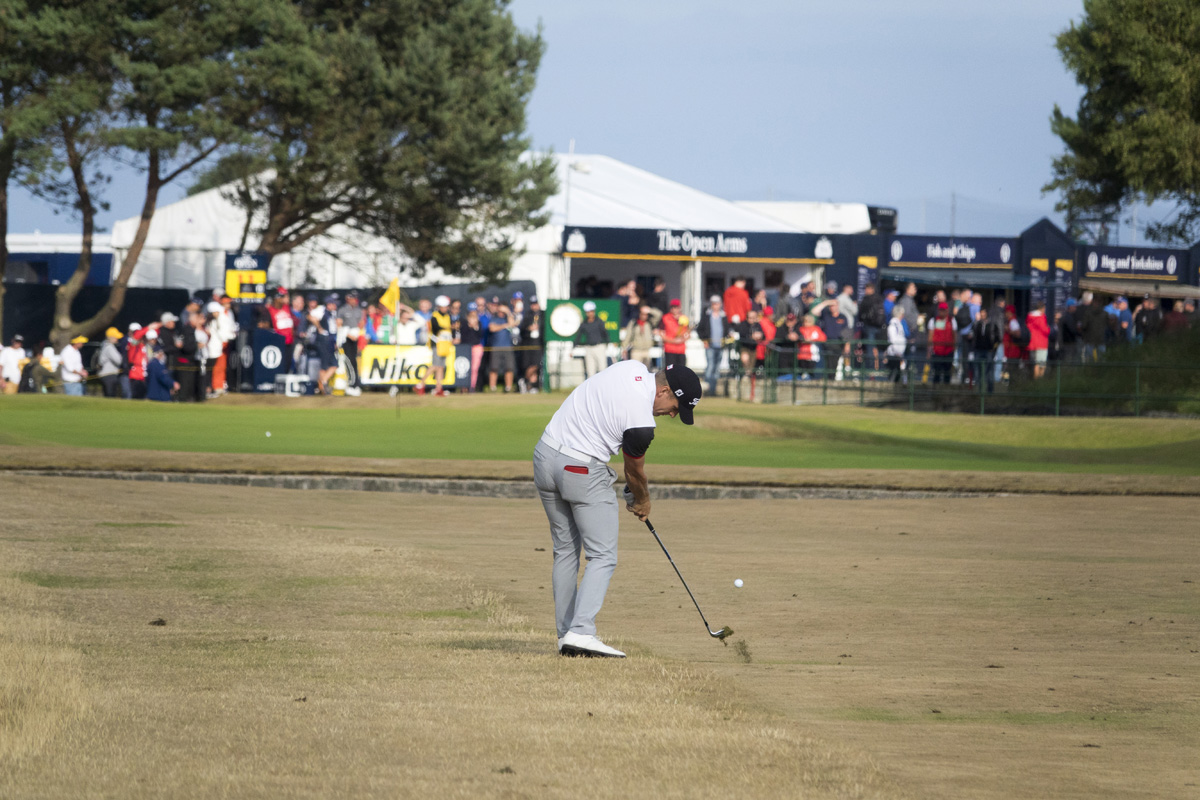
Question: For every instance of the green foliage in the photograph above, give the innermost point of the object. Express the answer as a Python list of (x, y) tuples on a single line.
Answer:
[(1136, 134), (403, 119)]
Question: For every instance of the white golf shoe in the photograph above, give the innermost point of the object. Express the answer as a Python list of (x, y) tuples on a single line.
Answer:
[(577, 644)]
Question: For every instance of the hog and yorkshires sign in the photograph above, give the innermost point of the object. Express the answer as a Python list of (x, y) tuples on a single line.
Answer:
[(694, 244), (1163, 265)]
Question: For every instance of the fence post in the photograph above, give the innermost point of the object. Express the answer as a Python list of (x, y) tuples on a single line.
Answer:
[(911, 388), (795, 376), (1057, 386), (1137, 389)]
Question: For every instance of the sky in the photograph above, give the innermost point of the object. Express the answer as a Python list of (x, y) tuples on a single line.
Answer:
[(896, 104)]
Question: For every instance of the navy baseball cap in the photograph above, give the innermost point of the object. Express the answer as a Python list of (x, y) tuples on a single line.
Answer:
[(686, 386)]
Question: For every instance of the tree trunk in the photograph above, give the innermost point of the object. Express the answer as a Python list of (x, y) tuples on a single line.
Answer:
[(65, 328), (6, 168)]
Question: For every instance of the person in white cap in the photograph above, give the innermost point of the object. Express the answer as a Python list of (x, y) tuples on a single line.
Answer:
[(441, 341), (592, 336)]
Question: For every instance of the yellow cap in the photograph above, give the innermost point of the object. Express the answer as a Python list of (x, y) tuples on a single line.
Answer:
[(79, 340), (112, 333)]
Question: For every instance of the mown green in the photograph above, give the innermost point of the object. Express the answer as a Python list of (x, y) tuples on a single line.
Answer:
[(729, 434)]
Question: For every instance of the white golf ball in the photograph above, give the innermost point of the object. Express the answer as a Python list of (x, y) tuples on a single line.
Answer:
[(268, 434), (738, 583)]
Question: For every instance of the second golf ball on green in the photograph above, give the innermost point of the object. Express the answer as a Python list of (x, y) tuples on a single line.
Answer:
[(738, 583)]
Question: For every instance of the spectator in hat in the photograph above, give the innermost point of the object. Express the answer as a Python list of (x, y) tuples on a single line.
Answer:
[(889, 302), (639, 335), (592, 338), (159, 382), (503, 361), (658, 297), (897, 339), (1067, 322), (675, 333), (737, 299), (1148, 322), (12, 361), (73, 373), (111, 363), (284, 324), (873, 315), (135, 357), (351, 322), (809, 353), (713, 329), (787, 341), (441, 339), (533, 349)]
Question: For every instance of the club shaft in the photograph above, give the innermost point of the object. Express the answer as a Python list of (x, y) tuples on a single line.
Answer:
[(680, 574)]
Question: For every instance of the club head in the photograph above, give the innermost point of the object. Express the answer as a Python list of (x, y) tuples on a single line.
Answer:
[(721, 634)]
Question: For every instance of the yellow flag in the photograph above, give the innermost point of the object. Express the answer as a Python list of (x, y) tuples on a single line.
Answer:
[(391, 297)]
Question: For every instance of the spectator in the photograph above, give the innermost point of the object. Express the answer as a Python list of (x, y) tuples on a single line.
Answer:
[(198, 342), (159, 383), (533, 351), (1148, 322), (227, 331), (425, 309), (787, 340), (39, 375), (768, 329), (809, 353), (1068, 331), (500, 336), (909, 303), (986, 336), (135, 356), (1176, 319), (749, 335), (1039, 338), (73, 373), (848, 306), (1016, 340), (760, 304), (713, 329), (111, 363), (964, 316), (629, 295), (592, 338), (942, 343), (737, 299), (1122, 327), (282, 322), (658, 297), (836, 329), (1093, 327), (470, 334), (639, 335), (897, 344), (325, 327), (1193, 315), (12, 360), (441, 337), (889, 302), (408, 328), (873, 315), (351, 322), (675, 332)]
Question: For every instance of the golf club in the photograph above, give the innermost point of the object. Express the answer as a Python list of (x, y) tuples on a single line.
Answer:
[(720, 634)]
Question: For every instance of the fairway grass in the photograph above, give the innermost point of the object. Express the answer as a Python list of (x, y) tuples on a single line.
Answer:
[(226, 642), (727, 433)]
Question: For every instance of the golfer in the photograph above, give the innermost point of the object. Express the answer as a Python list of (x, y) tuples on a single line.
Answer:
[(612, 410)]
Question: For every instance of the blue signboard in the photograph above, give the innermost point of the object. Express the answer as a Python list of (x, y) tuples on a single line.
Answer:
[(1146, 263), (966, 252), (246, 275), (685, 245)]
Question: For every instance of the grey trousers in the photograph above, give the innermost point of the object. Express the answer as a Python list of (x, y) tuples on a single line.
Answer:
[(582, 509)]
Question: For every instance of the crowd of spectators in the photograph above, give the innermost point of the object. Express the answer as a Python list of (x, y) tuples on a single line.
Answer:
[(952, 337)]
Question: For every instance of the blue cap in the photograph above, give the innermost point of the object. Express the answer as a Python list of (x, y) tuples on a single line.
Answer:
[(472, 307), (518, 295), (1071, 301), (1121, 299)]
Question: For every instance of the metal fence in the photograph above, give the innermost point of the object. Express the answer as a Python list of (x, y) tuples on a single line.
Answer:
[(964, 382)]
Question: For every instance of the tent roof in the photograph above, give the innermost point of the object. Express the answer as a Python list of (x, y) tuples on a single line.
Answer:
[(606, 193), (816, 217)]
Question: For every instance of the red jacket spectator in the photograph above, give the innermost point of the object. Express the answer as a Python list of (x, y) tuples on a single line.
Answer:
[(941, 332), (135, 350), (1039, 330), (737, 300), (768, 328), (671, 328), (813, 334)]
